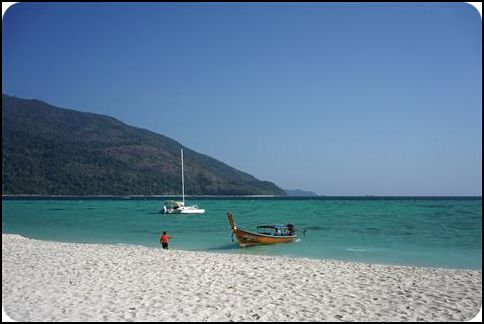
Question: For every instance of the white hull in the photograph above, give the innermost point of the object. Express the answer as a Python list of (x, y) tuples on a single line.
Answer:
[(190, 210), (184, 210)]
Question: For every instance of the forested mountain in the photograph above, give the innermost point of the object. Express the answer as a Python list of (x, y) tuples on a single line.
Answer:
[(56, 151)]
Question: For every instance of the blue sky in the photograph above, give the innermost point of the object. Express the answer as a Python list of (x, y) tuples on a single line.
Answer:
[(340, 99)]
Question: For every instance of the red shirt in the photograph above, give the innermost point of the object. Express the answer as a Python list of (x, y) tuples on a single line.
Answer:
[(164, 238)]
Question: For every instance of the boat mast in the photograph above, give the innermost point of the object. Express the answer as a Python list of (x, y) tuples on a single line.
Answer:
[(183, 181)]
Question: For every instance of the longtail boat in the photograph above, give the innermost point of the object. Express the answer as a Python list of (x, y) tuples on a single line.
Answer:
[(266, 234)]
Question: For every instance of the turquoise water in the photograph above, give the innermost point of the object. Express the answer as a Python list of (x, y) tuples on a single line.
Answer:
[(433, 232)]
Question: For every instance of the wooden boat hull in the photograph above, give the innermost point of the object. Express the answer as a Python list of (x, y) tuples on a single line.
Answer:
[(246, 238)]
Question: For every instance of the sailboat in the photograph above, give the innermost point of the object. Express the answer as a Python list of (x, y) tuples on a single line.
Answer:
[(178, 207)]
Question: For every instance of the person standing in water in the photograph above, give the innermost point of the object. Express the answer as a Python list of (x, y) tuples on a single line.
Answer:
[(164, 240)]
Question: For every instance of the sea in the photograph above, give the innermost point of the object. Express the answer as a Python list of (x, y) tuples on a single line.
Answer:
[(441, 232)]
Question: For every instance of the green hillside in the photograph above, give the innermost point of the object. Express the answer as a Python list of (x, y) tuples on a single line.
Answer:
[(54, 151)]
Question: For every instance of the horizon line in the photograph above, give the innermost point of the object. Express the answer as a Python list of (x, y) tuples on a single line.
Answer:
[(261, 196)]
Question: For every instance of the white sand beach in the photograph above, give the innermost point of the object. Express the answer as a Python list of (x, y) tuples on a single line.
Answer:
[(49, 281)]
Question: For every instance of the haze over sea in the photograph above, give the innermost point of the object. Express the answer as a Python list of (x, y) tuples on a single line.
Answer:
[(417, 231)]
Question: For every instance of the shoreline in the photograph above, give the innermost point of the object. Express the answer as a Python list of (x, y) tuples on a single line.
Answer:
[(45, 280), (256, 255), (235, 197)]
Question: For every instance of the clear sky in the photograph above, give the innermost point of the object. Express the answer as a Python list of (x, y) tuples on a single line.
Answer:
[(340, 99)]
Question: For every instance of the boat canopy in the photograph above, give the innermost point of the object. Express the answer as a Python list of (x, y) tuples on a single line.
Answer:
[(173, 204), (273, 226), (277, 229)]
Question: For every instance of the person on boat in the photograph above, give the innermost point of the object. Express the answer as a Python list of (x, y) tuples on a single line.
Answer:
[(277, 232), (290, 229), (164, 240)]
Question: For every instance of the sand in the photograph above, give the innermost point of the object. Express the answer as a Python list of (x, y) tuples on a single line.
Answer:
[(50, 281)]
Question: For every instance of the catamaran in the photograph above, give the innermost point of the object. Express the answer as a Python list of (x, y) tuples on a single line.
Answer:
[(178, 207)]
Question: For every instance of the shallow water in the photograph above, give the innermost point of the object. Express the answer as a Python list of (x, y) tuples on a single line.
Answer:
[(437, 232)]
